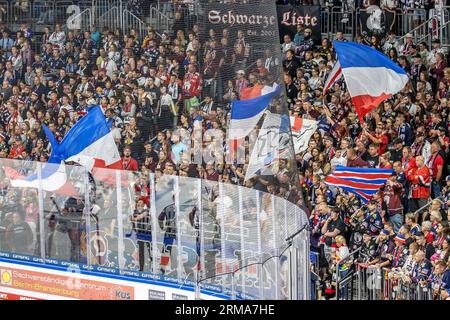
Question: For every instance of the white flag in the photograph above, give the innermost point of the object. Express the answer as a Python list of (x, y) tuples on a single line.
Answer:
[(302, 130), (272, 144)]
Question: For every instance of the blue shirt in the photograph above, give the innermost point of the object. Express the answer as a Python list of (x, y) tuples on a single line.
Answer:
[(177, 149)]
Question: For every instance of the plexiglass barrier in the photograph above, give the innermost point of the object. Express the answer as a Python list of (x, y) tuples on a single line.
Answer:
[(207, 236)]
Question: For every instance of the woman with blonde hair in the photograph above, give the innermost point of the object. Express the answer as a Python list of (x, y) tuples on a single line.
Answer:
[(342, 252), (384, 160)]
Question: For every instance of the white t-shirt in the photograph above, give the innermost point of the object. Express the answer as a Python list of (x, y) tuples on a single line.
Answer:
[(342, 252)]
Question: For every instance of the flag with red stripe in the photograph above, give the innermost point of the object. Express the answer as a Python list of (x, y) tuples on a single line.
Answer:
[(335, 75), (364, 182)]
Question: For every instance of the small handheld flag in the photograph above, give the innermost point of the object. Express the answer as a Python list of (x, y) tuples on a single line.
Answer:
[(333, 77)]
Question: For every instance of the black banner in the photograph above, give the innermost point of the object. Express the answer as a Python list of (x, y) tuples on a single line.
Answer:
[(258, 23), (375, 21), (289, 16)]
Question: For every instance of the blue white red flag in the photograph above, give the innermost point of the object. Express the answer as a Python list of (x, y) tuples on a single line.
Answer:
[(88, 143), (364, 182), (53, 177), (333, 76), (246, 113), (371, 77)]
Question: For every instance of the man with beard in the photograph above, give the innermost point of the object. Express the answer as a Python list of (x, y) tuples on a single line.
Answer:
[(373, 158), (306, 45), (354, 161), (308, 64), (420, 180), (397, 151)]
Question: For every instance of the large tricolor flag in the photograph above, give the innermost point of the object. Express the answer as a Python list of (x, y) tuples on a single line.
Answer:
[(88, 143), (245, 113), (335, 75), (302, 131), (364, 182), (371, 77), (53, 178)]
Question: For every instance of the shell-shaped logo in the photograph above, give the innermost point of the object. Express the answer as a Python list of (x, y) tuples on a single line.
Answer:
[(6, 277)]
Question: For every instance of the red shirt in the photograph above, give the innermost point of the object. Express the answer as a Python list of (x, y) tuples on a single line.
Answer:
[(192, 85), (387, 166), (409, 165), (435, 161), (383, 145), (429, 237), (214, 176), (420, 182), (16, 151), (130, 164)]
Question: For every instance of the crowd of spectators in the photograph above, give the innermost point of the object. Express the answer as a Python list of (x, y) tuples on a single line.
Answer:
[(183, 80), (408, 133), (148, 88)]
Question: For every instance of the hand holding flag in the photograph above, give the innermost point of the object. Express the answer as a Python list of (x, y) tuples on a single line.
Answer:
[(371, 77)]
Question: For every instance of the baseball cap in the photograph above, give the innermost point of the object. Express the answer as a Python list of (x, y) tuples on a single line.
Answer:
[(385, 232), (447, 178), (408, 35), (241, 72)]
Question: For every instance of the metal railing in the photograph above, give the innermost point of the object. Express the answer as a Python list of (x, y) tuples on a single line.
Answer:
[(372, 283), (81, 21), (159, 20), (337, 20), (132, 22), (420, 33), (195, 233), (111, 19), (343, 275), (332, 21)]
